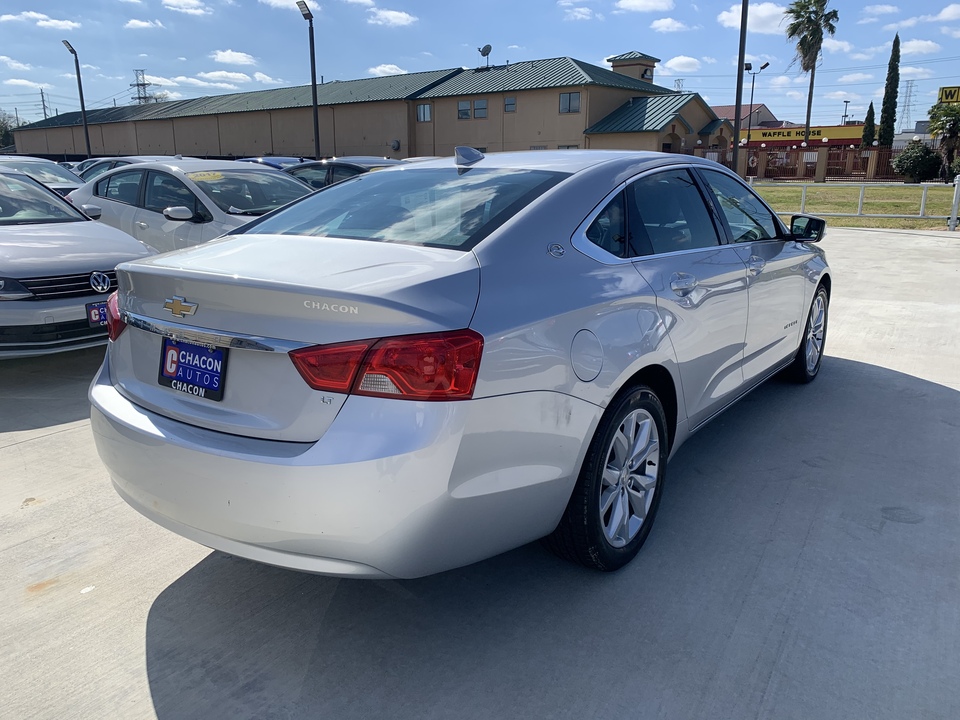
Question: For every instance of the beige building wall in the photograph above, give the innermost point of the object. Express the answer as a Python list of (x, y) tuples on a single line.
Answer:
[(424, 133), (32, 142), (197, 136), (120, 139), (604, 101), (246, 134), (155, 137), (372, 128), (626, 141), (292, 131)]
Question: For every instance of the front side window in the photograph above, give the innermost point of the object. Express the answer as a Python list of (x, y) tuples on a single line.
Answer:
[(748, 218), (570, 102), (423, 112), (510, 104), (164, 191), (436, 207), (666, 213), (479, 108), (121, 187), (463, 110)]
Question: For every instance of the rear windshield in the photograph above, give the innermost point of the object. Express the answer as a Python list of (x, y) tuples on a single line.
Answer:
[(436, 207)]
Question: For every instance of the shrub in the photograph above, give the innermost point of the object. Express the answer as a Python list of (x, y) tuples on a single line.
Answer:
[(918, 162)]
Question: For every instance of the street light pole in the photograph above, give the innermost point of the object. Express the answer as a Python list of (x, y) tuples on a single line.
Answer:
[(744, 9), (308, 16), (753, 77), (83, 108)]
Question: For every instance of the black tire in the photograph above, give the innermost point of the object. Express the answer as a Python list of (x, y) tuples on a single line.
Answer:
[(801, 370), (582, 535)]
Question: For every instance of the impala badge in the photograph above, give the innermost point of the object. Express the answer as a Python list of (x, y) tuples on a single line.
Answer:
[(180, 307)]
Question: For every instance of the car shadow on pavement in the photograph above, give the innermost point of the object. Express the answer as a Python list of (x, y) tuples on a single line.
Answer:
[(47, 390), (807, 538)]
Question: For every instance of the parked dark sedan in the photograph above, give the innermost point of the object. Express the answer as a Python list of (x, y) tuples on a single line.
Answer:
[(320, 173)]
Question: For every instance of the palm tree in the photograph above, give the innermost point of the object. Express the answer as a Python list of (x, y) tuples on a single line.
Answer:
[(809, 20), (945, 124)]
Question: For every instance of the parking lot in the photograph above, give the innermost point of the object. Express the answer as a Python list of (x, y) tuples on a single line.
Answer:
[(805, 563)]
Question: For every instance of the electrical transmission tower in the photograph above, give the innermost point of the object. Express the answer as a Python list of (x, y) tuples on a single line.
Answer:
[(142, 97), (906, 122), (678, 84)]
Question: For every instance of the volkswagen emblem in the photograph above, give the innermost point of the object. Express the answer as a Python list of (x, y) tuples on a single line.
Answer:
[(100, 282)]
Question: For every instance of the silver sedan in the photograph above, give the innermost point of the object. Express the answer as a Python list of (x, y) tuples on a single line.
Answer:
[(178, 203), (421, 367), (56, 270)]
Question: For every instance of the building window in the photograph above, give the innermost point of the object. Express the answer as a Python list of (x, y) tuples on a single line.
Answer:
[(479, 108), (423, 112), (538, 147), (570, 102), (568, 147), (463, 110), (510, 104), (480, 149)]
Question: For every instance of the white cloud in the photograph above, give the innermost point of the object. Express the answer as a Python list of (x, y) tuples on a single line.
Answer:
[(143, 55), (679, 64), (667, 25), (867, 20), (919, 47), (869, 53), (855, 77), (285, 4), (780, 82), (14, 64), (908, 23), (949, 14), (391, 18), (831, 45), (952, 32), (188, 7), (171, 95), (68, 76), (579, 13), (232, 57), (386, 69), (160, 80), (266, 79), (181, 80), (20, 82), (839, 95), (133, 2), (764, 18), (41, 20), (794, 95), (224, 76), (111, 77), (645, 5), (915, 73), (143, 24), (515, 47), (709, 60), (85, 66), (182, 59), (880, 10), (367, 3)]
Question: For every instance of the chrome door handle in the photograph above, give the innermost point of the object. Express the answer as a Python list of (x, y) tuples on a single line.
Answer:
[(755, 264), (142, 225), (683, 284)]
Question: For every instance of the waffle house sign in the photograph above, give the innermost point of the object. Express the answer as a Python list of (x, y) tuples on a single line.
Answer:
[(949, 95), (778, 137)]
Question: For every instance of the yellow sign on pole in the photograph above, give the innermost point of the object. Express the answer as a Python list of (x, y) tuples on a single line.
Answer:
[(949, 95)]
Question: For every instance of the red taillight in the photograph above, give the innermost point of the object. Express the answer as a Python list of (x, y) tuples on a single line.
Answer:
[(115, 325), (438, 366)]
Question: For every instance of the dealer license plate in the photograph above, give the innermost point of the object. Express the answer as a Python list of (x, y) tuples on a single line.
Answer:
[(193, 369), (97, 314)]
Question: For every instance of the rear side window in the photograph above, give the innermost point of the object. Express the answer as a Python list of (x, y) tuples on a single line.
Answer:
[(437, 207), (339, 173), (315, 177), (666, 213), (122, 186)]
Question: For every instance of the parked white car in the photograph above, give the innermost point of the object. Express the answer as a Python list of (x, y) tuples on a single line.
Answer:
[(180, 203)]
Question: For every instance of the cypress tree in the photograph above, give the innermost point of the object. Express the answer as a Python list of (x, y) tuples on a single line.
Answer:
[(888, 111), (869, 128)]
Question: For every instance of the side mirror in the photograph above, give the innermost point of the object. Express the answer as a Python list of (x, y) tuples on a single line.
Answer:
[(178, 212), (92, 211), (807, 228)]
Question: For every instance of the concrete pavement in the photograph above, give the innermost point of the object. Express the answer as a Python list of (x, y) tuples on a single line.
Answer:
[(805, 563)]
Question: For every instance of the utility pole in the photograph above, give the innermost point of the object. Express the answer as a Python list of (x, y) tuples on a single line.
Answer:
[(741, 60), (43, 102), (843, 120)]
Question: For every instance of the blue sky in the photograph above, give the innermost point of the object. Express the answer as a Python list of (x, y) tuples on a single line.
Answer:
[(193, 48)]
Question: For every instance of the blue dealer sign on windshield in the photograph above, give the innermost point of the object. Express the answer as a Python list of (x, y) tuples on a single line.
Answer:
[(193, 369)]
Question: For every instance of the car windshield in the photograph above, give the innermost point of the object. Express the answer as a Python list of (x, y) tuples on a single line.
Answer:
[(248, 192), (46, 172), (437, 207), (24, 202)]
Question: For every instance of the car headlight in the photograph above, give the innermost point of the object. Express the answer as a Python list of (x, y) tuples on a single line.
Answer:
[(12, 290)]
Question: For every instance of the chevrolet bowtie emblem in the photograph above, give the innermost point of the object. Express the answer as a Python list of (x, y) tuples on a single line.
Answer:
[(179, 306)]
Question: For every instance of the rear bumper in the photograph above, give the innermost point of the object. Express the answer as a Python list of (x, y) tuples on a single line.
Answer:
[(393, 489)]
